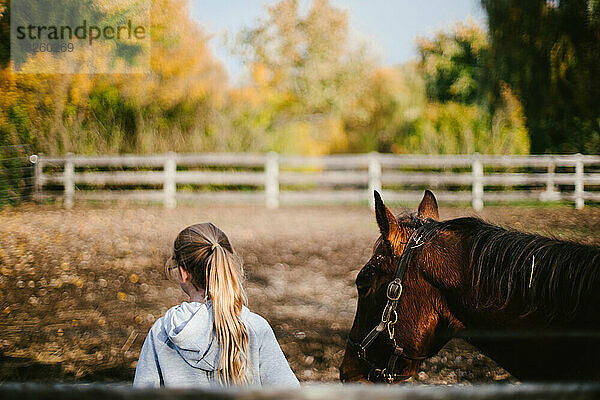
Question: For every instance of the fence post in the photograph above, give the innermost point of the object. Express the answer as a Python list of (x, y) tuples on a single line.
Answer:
[(69, 182), (170, 186), (579, 202), (477, 193), (272, 180), (37, 177), (374, 177), (551, 193)]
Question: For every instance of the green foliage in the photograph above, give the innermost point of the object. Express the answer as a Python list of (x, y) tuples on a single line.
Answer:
[(460, 116), (441, 105), (312, 90), (18, 118), (548, 52), (4, 33), (16, 172), (394, 103), (455, 128), (308, 72), (113, 114), (454, 64), (174, 107)]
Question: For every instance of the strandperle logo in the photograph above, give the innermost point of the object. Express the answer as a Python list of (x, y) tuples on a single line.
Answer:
[(91, 33), (80, 36)]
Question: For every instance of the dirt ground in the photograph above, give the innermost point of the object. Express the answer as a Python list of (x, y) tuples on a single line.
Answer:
[(80, 289)]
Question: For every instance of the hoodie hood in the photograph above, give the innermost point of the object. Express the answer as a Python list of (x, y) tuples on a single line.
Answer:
[(189, 327)]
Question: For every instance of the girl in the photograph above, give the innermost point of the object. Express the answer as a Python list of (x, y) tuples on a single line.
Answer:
[(213, 340)]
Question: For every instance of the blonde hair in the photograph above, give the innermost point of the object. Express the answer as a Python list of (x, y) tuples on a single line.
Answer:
[(205, 252)]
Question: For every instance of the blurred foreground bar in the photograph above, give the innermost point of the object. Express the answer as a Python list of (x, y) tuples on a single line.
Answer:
[(570, 391)]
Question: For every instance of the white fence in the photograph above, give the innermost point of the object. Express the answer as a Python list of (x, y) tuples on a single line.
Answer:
[(273, 179)]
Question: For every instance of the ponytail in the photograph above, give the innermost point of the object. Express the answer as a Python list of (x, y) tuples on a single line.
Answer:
[(224, 289), (205, 252)]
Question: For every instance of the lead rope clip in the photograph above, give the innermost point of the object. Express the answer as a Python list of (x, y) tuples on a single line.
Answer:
[(390, 326)]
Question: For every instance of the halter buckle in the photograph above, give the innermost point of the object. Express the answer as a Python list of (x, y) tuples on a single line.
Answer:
[(394, 290)]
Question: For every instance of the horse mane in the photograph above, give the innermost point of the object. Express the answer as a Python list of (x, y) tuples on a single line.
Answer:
[(561, 285)]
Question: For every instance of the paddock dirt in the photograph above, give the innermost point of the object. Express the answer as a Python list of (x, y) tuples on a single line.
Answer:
[(80, 289)]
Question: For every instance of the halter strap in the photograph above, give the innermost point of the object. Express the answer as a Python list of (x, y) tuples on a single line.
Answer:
[(394, 291)]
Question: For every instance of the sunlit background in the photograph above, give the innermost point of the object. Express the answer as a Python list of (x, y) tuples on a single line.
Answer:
[(324, 77), (388, 28), (79, 289)]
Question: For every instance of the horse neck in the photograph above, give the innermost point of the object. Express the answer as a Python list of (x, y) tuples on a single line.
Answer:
[(568, 283)]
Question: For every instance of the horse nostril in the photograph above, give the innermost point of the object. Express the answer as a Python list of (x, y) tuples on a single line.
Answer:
[(361, 283)]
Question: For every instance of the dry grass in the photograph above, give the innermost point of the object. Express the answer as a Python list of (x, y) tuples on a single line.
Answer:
[(79, 289)]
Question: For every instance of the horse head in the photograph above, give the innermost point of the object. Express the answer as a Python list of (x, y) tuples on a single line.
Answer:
[(418, 322)]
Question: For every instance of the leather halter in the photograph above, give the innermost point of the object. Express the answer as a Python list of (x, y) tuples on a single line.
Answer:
[(394, 291)]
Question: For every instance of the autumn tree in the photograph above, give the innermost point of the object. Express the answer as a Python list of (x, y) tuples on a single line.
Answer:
[(173, 107), (547, 52), (309, 73), (466, 111)]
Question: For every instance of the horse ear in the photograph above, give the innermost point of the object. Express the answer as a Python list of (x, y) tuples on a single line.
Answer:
[(388, 224), (428, 207)]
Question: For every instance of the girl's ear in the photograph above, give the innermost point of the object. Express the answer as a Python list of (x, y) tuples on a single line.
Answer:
[(185, 276)]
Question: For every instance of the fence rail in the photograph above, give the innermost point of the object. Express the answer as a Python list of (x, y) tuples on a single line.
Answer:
[(273, 179), (97, 391)]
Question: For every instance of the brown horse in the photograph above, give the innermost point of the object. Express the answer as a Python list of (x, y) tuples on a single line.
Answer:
[(527, 301)]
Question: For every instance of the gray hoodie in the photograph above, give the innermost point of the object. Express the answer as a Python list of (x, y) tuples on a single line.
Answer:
[(181, 350)]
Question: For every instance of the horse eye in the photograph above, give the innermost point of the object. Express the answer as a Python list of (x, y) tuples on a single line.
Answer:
[(363, 280)]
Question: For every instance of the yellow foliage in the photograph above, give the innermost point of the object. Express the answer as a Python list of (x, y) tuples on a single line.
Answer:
[(59, 114), (313, 90)]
